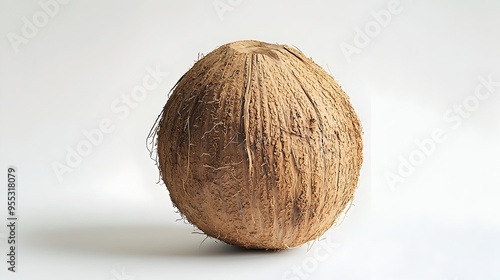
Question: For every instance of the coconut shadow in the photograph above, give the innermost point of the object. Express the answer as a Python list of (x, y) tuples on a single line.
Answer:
[(135, 240)]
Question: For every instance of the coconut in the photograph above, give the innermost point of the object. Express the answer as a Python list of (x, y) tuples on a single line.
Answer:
[(259, 147)]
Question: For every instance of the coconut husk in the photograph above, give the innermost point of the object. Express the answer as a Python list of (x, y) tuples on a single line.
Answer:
[(259, 147)]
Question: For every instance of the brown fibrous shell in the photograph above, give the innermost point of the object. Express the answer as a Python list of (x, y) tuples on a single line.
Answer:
[(259, 147)]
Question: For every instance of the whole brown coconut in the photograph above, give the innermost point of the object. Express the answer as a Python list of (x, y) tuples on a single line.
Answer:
[(259, 146)]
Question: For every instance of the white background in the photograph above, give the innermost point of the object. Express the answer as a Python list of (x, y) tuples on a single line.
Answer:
[(108, 219)]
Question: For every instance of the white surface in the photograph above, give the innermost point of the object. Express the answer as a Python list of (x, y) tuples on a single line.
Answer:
[(108, 219)]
